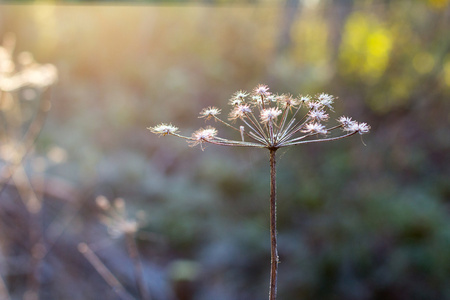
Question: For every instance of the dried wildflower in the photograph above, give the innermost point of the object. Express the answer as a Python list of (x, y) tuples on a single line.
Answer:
[(286, 101), (315, 105), (363, 128), (240, 95), (272, 132), (271, 98), (261, 90), (270, 114), (235, 101), (259, 100), (318, 115), (240, 112), (305, 99), (163, 129), (346, 122), (209, 112), (238, 98), (326, 100), (315, 128), (118, 224), (203, 135)]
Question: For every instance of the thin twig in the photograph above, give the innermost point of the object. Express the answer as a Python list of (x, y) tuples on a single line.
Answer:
[(320, 140), (138, 270), (3, 290), (110, 279)]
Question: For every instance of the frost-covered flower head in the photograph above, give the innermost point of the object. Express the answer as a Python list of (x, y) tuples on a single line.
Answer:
[(240, 95), (240, 111), (272, 121), (163, 129), (203, 135), (326, 100), (318, 115), (351, 126), (363, 128), (270, 114), (315, 128), (304, 99), (238, 98), (209, 112), (346, 122), (315, 105), (261, 90), (287, 101)]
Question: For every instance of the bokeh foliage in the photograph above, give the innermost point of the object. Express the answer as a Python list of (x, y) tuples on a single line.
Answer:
[(355, 221)]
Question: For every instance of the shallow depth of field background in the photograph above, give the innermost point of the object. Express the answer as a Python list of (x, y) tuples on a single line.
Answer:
[(358, 218)]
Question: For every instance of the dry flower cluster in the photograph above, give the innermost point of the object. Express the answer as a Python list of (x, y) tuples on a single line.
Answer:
[(272, 121)]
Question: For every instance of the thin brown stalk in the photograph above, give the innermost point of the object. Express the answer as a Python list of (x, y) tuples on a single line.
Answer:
[(273, 228), (320, 140), (3, 290), (138, 270), (104, 272)]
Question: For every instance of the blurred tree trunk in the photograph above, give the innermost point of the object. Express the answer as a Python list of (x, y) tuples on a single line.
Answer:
[(290, 11), (337, 17)]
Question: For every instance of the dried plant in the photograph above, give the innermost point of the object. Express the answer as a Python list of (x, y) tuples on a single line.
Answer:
[(271, 121), (23, 111), (20, 73), (115, 218)]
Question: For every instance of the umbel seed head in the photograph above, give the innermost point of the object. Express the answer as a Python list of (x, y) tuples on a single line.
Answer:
[(271, 121), (163, 129)]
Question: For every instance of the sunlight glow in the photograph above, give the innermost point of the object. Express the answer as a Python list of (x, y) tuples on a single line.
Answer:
[(366, 46)]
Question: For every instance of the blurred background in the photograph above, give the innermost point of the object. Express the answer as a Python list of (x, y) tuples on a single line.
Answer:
[(82, 177)]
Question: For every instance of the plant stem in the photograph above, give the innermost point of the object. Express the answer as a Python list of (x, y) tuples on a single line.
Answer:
[(138, 270), (104, 272), (273, 228)]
